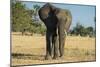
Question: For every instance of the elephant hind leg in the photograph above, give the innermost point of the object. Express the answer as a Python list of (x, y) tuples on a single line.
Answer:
[(61, 41)]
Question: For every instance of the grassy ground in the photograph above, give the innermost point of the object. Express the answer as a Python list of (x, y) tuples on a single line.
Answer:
[(31, 50)]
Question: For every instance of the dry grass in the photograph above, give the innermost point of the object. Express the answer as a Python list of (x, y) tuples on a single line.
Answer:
[(31, 50)]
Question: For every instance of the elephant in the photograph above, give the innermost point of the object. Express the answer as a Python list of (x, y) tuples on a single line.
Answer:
[(57, 22)]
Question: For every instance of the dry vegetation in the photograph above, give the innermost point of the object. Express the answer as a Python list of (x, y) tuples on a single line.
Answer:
[(31, 50)]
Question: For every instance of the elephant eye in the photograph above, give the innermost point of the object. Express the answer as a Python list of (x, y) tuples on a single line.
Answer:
[(50, 14)]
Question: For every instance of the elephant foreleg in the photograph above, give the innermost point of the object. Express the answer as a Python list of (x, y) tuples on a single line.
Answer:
[(56, 47)]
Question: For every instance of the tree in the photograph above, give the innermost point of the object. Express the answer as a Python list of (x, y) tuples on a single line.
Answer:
[(90, 31), (78, 30), (35, 8), (21, 17)]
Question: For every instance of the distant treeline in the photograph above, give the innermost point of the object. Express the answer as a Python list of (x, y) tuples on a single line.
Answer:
[(27, 20), (80, 30)]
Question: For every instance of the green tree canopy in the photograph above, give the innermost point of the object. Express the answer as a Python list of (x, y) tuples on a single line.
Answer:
[(20, 17)]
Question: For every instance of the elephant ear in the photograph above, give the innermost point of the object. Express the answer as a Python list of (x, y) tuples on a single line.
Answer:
[(56, 11), (43, 13)]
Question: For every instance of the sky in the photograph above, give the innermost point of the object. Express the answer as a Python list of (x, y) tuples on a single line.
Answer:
[(83, 14)]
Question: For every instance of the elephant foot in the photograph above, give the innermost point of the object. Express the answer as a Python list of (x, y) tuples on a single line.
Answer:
[(62, 57), (56, 57), (48, 58)]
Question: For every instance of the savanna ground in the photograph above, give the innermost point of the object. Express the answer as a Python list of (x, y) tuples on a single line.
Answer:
[(31, 50)]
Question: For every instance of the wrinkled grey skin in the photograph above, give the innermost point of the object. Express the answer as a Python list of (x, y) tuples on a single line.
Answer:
[(57, 22)]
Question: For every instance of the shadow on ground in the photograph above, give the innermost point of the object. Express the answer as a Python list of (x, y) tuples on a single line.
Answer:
[(27, 56)]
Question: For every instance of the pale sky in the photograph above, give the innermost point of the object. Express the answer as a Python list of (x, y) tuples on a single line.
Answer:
[(84, 14)]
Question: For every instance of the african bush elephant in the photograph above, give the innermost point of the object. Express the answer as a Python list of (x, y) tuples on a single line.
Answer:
[(57, 22)]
